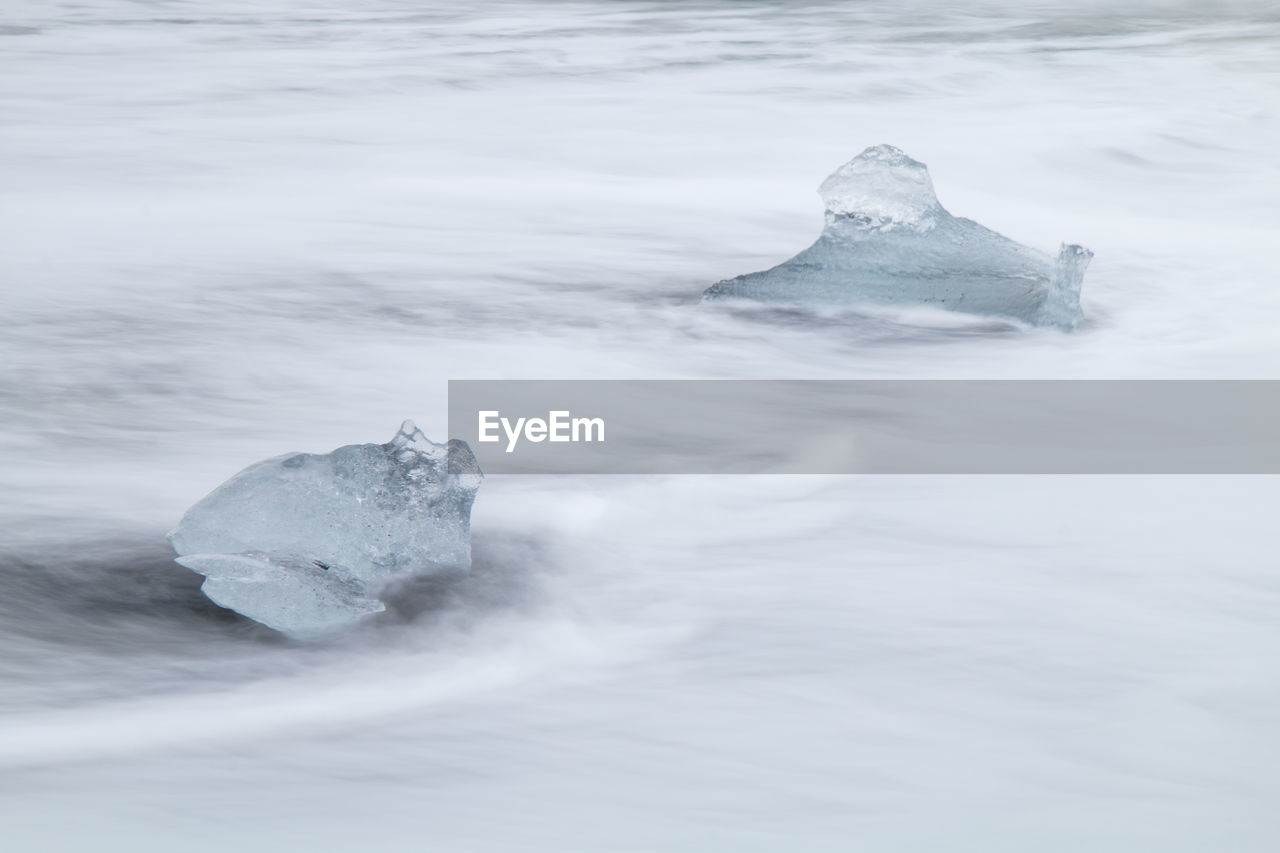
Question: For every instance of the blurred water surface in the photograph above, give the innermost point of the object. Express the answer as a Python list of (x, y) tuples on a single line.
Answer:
[(230, 230)]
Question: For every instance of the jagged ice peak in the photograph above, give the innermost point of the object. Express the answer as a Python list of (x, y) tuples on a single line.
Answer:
[(881, 187)]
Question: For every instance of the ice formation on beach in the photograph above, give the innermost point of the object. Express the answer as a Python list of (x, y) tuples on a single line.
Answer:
[(887, 240), (304, 543)]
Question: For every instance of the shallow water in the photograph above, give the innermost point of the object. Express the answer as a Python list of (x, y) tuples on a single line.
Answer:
[(234, 230)]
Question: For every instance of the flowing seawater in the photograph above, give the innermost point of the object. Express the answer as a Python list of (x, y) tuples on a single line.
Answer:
[(231, 230)]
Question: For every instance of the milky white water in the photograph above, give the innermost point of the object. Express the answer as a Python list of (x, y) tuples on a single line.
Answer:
[(234, 229)]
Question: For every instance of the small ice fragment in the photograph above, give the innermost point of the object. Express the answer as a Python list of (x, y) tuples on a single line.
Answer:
[(887, 240), (292, 596), (298, 541)]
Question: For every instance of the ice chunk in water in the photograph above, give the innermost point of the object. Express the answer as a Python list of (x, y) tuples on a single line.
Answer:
[(887, 240), (304, 543)]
